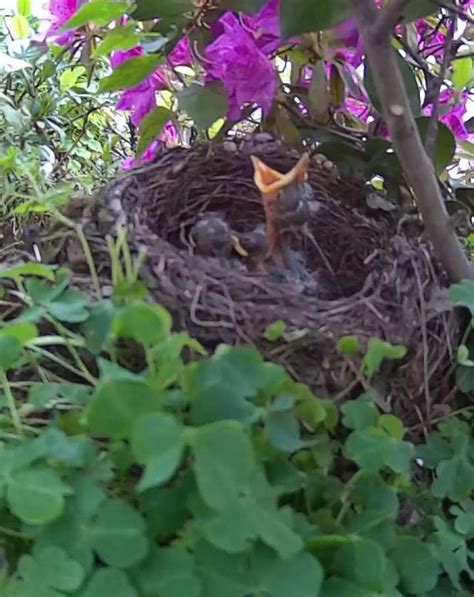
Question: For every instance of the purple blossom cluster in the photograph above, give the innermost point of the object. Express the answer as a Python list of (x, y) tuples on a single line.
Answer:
[(241, 56)]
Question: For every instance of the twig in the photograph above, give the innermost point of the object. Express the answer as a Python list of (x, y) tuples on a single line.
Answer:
[(12, 405), (432, 133), (424, 333)]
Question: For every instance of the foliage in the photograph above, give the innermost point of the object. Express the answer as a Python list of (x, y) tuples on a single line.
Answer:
[(213, 64), (54, 126), (215, 475)]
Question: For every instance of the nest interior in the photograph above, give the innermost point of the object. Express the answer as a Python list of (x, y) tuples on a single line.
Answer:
[(370, 277)]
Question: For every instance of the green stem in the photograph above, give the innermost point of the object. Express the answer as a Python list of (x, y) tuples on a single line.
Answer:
[(12, 533), (346, 504), (85, 247), (12, 405)]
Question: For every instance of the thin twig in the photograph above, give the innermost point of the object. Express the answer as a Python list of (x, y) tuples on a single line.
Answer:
[(432, 133), (424, 334)]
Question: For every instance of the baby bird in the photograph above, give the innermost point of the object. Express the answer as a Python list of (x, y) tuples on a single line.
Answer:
[(293, 204), (287, 202), (253, 246), (211, 235)]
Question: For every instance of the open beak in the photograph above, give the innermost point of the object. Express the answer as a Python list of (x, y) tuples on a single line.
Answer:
[(270, 183)]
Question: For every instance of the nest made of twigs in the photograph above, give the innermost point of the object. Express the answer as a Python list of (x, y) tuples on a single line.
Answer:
[(370, 277)]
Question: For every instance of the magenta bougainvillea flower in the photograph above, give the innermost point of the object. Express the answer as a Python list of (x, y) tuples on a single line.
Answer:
[(346, 43), (265, 27), (168, 136), (141, 99), (452, 110), (245, 70), (61, 11)]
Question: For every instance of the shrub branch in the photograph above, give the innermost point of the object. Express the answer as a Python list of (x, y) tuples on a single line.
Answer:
[(405, 136)]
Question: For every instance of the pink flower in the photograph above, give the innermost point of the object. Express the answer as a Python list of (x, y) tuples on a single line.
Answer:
[(452, 109), (265, 27), (141, 99), (347, 43), (430, 40), (168, 136), (247, 74), (61, 11)]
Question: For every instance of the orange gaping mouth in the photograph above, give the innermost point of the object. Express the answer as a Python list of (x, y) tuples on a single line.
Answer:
[(270, 182)]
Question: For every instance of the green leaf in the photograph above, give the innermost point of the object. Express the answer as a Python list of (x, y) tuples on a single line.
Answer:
[(339, 587), (417, 565), (120, 38), (409, 80), (238, 373), (117, 404), (464, 513), (130, 73), (10, 352), (349, 345), (300, 575), (169, 572), (225, 465), (96, 328), (23, 7), (69, 307), (360, 413), (434, 450), (146, 324), (118, 534), (462, 293), (51, 568), (151, 126), (377, 351), (248, 6), (454, 479), (222, 574), (275, 330), (445, 145), (416, 9), (109, 581), (363, 562), (301, 16), (452, 552), (23, 331), (36, 496), (204, 104), (157, 442), (283, 431), (69, 78), (150, 9), (372, 450), (99, 12), (392, 425), (28, 269), (19, 26), (166, 508), (462, 72)]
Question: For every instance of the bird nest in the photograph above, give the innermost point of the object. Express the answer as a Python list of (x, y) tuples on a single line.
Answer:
[(368, 275)]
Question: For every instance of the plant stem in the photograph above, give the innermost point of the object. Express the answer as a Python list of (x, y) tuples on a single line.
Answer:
[(407, 142), (12, 404)]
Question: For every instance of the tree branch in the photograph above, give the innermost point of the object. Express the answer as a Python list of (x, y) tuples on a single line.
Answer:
[(432, 132), (408, 144), (387, 18)]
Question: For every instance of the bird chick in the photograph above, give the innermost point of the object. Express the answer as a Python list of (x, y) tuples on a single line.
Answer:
[(211, 235), (253, 245), (293, 204)]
